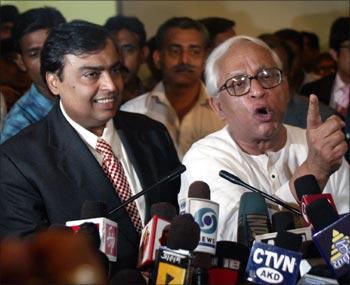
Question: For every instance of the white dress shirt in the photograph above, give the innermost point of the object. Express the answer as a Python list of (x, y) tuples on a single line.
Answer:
[(200, 121), (268, 172), (112, 138)]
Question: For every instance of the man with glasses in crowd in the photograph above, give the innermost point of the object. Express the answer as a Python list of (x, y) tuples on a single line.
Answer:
[(249, 91)]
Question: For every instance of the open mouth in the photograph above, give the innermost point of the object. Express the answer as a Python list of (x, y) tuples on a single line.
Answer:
[(263, 114)]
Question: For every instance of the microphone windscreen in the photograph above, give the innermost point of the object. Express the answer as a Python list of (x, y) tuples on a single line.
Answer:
[(321, 214), (253, 218), (164, 210), (93, 209), (289, 241), (199, 189), (127, 277), (183, 233), (282, 221), (306, 185)]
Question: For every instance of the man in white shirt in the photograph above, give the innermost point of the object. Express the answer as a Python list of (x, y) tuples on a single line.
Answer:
[(249, 91), (180, 100)]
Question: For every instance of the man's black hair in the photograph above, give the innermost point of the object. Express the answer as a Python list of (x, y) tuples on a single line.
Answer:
[(291, 35), (33, 20), (132, 24), (8, 13), (339, 33), (313, 40), (216, 25), (182, 23), (77, 37)]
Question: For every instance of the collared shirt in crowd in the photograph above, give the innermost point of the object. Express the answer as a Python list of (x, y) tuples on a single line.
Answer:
[(200, 121)]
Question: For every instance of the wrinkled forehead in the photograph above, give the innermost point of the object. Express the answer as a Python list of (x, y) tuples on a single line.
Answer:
[(245, 55)]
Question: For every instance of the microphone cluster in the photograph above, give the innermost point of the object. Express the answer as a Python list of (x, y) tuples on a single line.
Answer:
[(183, 249)]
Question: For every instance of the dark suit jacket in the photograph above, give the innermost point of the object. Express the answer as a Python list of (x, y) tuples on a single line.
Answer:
[(322, 88), (47, 172)]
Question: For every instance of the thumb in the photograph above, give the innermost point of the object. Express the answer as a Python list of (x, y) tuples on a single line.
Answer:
[(313, 113)]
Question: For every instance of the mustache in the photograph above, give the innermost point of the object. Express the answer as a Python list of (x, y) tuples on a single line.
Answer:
[(184, 68)]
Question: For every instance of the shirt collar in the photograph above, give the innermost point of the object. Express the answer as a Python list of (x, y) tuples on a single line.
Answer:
[(87, 136), (339, 83), (158, 93)]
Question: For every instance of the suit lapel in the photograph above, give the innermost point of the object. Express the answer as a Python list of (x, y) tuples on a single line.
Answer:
[(79, 165)]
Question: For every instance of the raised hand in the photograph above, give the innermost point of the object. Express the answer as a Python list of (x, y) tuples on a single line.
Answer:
[(326, 142)]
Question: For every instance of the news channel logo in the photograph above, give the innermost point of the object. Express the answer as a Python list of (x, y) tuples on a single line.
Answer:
[(207, 220)]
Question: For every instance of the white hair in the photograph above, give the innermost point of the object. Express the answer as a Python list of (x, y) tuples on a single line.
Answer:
[(212, 68)]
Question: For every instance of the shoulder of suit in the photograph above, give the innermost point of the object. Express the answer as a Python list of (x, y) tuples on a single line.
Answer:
[(136, 121)]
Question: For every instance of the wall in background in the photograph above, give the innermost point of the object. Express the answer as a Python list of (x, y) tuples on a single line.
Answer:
[(252, 17), (93, 11)]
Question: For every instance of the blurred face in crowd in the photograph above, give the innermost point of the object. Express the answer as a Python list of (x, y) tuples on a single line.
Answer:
[(31, 45), (90, 87), (132, 54), (221, 37), (343, 59), (181, 58), (257, 115)]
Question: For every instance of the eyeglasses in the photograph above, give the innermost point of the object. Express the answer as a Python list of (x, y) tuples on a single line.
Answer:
[(240, 84)]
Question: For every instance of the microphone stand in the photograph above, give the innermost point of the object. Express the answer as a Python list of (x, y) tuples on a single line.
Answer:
[(236, 180)]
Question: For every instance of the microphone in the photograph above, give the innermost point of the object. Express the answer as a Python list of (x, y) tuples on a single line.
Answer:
[(282, 221), (275, 264), (205, 213), (253, 218), (332, 236), (201, 265), (154, 234), (229, 263), (172, 175), (236, 180), (95, 212), (173, 262), (308, 190)]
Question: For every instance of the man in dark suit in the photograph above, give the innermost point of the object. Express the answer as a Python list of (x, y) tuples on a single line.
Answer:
[(50, 168), (333, 89)]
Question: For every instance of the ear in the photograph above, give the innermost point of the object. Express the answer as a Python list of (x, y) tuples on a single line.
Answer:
[(20, 63), (215, 104), (333, 54), (156, 58), (53, 81)]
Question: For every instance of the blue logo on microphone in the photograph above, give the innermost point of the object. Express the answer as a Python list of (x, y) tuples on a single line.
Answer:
[(207, 220)]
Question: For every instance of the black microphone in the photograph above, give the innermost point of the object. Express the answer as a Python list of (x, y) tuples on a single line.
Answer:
[(173, 262), (236, 180), (172, 175), (282, 221)]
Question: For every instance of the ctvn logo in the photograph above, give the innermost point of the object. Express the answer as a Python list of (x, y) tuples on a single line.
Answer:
[(206, 218), (269, 275)]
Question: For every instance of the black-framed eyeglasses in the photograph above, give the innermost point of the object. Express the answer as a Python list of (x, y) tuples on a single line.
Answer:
[(239, 85)]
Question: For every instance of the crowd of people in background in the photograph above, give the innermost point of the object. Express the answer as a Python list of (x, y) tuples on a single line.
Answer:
[(65, 87)]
